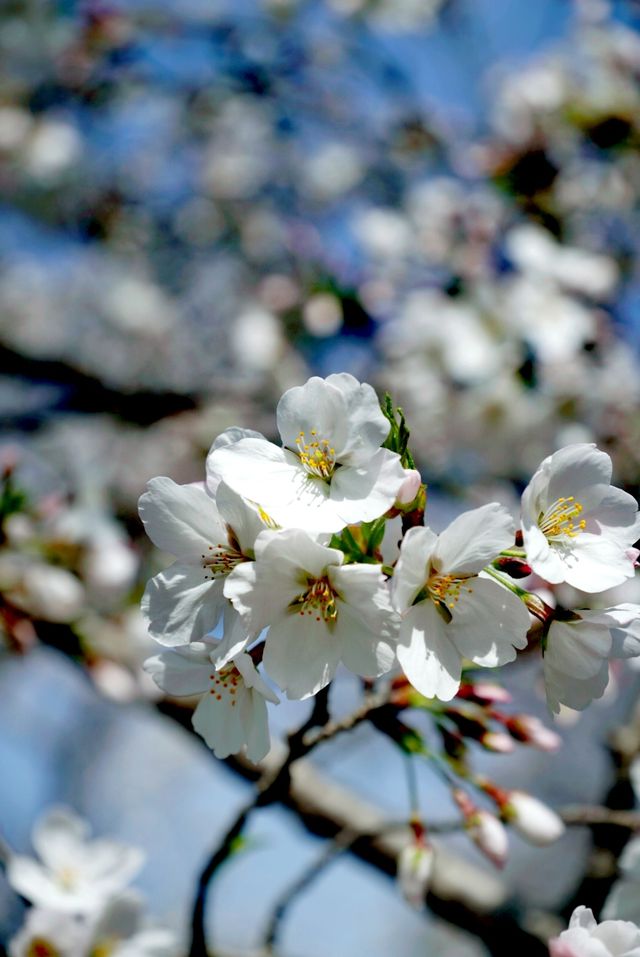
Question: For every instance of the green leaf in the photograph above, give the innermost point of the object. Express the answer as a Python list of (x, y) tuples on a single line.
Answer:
[(398, 438)]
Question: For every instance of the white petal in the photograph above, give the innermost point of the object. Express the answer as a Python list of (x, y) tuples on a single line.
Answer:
[(574, 468), (364, 589), (576, 693), (316, 408), (363, 651), (181, 606), (58, 835), (109, 865), (180, 519), (427, 656), (488, 623), (577, 648), (616, 514), (220, 725), (252, 679), (229, 437), (34, 883), (257, 728), (597, 564), (364, 494), (368, 427), (411, 572), (243, 517), (301, 655), (121, 917), (182, 671), (474, 539), (546, 561), (234, 640)]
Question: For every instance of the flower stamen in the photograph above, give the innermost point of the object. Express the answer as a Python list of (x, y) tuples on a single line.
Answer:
[(316, 455), (445, 590), (319, 600), (558, 520), (222, 558)]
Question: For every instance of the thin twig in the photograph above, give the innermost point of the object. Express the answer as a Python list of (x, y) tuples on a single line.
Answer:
[(342, 841), (372, 702), (270, 789)]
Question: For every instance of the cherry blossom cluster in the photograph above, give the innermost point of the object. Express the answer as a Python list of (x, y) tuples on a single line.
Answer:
[(81, 903), (293, 559)]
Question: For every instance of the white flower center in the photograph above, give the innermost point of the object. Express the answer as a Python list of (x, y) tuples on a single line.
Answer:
[(317, 455), (67, 877), (558, 520), (225, 684), (222, 558), (319, 601)]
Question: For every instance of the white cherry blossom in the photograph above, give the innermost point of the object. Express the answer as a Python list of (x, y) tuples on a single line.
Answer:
[(231, 715), (577, 527), (47, 933), (331, 470), (623, 902), (577, 652), (75, 875), (319, 611), (116, 931), (449, 609), (585, 937), (209, 537)]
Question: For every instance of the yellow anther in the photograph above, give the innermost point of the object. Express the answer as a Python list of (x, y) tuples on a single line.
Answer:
[(446, 589), (317, 457), (557, 522)]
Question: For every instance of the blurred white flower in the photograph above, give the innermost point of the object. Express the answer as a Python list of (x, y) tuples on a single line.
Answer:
[(75, 875), (587, 938)]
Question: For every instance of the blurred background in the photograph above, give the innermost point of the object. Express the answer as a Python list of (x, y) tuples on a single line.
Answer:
[(203, 202)]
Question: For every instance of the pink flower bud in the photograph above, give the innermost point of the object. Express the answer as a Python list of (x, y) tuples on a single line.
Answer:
[(485, 692), (498, 742), (532, 819), (490, 835), (530, 730), (410, 487)]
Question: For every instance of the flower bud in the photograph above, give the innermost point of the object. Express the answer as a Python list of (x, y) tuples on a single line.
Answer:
[(415, 865), (532, 819), (530, 730), (485, 692), (409, 488), (498, 742), (490, 836), (515, 567)]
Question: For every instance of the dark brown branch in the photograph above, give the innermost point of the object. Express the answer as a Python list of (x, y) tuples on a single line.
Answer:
[(272, 787)]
